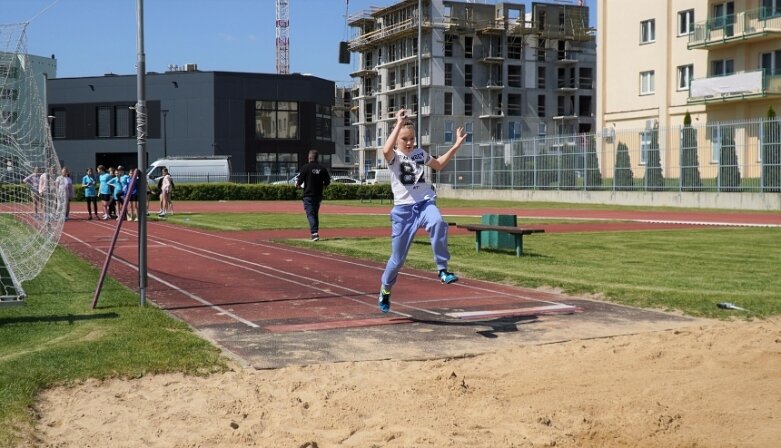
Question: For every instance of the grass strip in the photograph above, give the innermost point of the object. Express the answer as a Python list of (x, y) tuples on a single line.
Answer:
[(56, 338)]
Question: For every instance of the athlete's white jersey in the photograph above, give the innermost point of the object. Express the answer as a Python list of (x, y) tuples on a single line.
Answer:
[(408, 180)]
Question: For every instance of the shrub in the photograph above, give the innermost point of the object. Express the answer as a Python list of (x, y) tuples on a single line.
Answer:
[(623, 178)]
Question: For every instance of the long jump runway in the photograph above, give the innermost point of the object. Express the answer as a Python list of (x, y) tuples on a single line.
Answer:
[(272, 305)]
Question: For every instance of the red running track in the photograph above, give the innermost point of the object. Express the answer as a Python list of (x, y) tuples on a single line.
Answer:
[(240, 287)]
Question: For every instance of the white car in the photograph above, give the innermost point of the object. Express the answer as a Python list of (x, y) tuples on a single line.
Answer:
[(344, 180), (291, 181)]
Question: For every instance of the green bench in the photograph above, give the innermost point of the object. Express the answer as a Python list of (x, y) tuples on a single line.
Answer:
[(517, 232)]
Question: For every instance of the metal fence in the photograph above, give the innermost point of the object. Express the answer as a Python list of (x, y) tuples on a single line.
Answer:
[(726, 156)]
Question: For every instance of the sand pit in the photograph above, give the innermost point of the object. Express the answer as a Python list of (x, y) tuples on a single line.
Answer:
[(712, 385)]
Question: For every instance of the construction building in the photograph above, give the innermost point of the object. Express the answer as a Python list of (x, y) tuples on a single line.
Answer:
[(344, 161), (503, 71)]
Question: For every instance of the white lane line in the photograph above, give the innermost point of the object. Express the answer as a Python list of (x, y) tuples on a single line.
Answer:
[(488, 313), (330, 258), (278, 274), (195, 297)]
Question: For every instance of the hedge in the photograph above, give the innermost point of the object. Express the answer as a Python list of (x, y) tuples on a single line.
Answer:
[(236, 192)]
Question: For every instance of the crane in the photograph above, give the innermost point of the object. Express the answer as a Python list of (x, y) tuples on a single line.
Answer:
[(283, 37)]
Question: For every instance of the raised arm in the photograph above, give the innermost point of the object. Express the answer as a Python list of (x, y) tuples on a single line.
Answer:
[(441, 161), (390, 143)]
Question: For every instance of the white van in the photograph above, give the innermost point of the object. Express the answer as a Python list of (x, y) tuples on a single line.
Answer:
[(378, 176), (191, 169)]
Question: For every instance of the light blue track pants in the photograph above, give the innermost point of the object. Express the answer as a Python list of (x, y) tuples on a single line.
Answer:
[(405, 221)]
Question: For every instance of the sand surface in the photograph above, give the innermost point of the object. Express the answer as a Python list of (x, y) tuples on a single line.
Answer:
[(711, 385)]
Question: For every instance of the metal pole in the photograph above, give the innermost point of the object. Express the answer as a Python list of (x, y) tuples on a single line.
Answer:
[(141, 128), (420, 70)]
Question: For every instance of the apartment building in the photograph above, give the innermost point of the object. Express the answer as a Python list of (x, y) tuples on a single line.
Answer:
[(719, 60), (503, 71), (344, 133)]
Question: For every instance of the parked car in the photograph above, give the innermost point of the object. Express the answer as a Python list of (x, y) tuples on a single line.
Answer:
[(378, 176), (345, 180), (291, 181)]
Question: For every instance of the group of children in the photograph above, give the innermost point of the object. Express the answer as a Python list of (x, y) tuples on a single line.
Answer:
[(111, 187)]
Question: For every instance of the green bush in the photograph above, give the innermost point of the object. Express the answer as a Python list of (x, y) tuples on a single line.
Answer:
[(623, 177)]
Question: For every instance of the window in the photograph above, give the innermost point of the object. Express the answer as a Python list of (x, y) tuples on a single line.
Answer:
[(647, 82), (104, 121), (565, 106), (276, 120), (685, 73), (514, 130), (722, 138), (540, 77), (346, 137), (448, 74), (9, 94), (391, 79), (514, 48), (586, 78), (771, 8), (540, 106), (541, 50), (468, 51), (468, 128), (448, 132), (122, 121), (724, 18), (514, 75), (59, 123), (722, 67), (468, 111), (584, 106), (448, 103), (514, 104), (468, 75), (645, 146), (686, 22), (8, 71), (647, 31), (322, 122), (449, 38), (770, 63)]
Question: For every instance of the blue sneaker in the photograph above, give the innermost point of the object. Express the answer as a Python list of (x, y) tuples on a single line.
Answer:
[(447, 277), (384, 300)]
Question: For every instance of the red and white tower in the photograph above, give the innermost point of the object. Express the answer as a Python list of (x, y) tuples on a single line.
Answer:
[(283, 37)]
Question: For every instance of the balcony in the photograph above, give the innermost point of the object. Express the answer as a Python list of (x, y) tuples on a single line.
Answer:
[(744, 27), (491, 85), (493, 112), (364, 72), (566, 57), (397, 30), (492, 58), (740, 86)]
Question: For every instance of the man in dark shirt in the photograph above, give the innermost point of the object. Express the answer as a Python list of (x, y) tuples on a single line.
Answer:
[(314, 178)]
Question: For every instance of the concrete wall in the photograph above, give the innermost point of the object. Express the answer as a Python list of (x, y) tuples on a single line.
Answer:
[(728, 201)]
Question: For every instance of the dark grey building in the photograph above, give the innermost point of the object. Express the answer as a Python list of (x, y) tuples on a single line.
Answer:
[(266, 123)]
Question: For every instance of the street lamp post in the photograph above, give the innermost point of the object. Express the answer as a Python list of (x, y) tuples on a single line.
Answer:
[(165, 132)]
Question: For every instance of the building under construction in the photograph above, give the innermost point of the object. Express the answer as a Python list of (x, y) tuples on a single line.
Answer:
[(501, 70)]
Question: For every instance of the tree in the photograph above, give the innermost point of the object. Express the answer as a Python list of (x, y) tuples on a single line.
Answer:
[(729, 170), (654, 180), (690, 165), (771, 153), (623, 178)]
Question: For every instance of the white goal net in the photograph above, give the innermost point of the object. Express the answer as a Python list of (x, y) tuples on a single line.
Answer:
[(31, 205)]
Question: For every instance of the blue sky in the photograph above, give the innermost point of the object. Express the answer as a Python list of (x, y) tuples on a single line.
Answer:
[(94, 37)]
